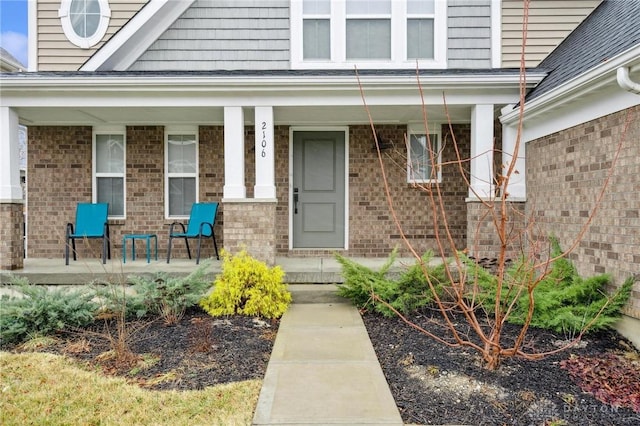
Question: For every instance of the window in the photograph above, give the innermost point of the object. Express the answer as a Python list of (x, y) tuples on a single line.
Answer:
[(368, 29), (316, 30), (423, 151), (368, 33), (109, 149), (84, 22), (181, 171), (420, 40)]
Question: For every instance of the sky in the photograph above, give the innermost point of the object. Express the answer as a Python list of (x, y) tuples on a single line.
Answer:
[(13, 28)]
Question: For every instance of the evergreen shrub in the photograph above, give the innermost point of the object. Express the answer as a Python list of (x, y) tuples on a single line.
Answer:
[(407, 293), (39, 310), (247, 286)]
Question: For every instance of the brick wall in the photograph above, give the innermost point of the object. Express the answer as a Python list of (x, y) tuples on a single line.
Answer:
[(60, 177), (59, 170), (11, 242), (372, 230), (63, 155), (482, 234), (565, 173), (251, 225)]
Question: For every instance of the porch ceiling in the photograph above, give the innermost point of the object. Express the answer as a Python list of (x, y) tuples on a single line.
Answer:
[(285, 115)]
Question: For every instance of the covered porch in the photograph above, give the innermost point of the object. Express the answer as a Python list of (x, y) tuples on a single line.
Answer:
[(244, 126)]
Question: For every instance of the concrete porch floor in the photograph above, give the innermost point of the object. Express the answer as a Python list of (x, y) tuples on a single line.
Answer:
[(308, 270)]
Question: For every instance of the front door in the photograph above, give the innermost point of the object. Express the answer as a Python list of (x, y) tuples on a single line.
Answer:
[(318, 189)]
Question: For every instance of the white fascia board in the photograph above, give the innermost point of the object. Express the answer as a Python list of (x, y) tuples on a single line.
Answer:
[(169, 83), (135, 37), (596, 77)]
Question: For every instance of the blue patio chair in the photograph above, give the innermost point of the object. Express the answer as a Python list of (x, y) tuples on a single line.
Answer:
[(91, 222), (201, 223)]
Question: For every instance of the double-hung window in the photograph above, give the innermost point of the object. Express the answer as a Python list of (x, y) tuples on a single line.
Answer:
[(368, 33), (109, 148), (181, 171), (424, 153), (368, 29)]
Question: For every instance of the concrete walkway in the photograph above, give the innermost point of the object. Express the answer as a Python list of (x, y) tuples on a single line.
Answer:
[(323, 370)]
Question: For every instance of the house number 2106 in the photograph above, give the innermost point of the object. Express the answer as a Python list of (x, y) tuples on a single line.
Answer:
[(263, 142)]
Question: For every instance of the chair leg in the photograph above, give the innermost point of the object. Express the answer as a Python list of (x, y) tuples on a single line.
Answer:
[(104, 250), (169, 250), (215, 245), (66, 252), (73, 246), (199, 245), (186, 241)]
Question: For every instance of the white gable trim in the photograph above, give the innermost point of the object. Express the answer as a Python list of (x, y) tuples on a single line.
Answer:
[(135, 37), (598, 78)]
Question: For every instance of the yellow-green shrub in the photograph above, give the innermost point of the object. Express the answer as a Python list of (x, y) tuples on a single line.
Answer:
[(249, 287)]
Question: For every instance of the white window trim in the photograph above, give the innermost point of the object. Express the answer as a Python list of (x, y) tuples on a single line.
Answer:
[(398, 39), (179, 130), (418, 129), (72, 36), (109, 130)]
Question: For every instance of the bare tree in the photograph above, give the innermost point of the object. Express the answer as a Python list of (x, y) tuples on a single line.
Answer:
[(482, 328)]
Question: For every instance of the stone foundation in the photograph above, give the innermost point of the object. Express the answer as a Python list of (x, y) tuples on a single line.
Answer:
[(251, 224), (11, 236)]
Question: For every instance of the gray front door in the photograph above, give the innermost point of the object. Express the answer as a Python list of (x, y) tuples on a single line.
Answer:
[(318, 189)]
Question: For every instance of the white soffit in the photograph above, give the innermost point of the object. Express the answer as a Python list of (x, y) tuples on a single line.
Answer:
[(135, 37)]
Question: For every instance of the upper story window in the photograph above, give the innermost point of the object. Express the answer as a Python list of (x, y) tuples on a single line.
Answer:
[(181, 171), (109, 147), (424, 154), (368, 33), (84, 22)]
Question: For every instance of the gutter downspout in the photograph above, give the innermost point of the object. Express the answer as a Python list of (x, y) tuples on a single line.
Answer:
[(625, 82)]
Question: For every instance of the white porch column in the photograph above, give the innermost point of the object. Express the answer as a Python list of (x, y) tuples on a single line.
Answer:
[(517, 188), (234, 153), (10, 189), (265, 186), (481, 152)]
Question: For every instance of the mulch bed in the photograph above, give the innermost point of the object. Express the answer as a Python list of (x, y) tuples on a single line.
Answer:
[(197, 352), (436, 384), (431, 383)]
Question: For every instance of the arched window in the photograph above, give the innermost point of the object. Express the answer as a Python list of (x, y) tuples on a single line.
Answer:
[(84, 22)]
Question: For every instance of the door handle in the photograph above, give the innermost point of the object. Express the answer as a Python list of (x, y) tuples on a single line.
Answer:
[(295, 200)]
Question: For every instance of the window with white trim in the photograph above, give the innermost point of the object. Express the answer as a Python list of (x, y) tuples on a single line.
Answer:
[(181, 171), (109, 148), (84, 22), (368, 33), (424, 153)]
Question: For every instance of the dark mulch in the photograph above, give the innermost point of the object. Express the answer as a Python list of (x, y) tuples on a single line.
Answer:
[(431, 383), (436, 384), (197, 352)]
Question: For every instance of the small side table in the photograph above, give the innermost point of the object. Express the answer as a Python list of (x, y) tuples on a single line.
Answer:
[(133, 237)]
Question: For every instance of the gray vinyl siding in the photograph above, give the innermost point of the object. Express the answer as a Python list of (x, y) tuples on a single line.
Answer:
[(469, 34), (223, 35)]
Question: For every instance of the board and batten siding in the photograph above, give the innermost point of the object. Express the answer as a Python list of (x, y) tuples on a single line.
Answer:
[(223, 35), (469, 34), (55, 52), (550, 21)]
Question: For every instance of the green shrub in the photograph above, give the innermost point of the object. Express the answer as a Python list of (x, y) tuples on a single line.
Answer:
[(42, 311), (163, 295), (169, 296), (566, 302), (249, 287), (563, 301), (405, 294)]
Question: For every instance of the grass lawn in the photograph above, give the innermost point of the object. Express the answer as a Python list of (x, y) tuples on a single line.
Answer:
[(41, 388)]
